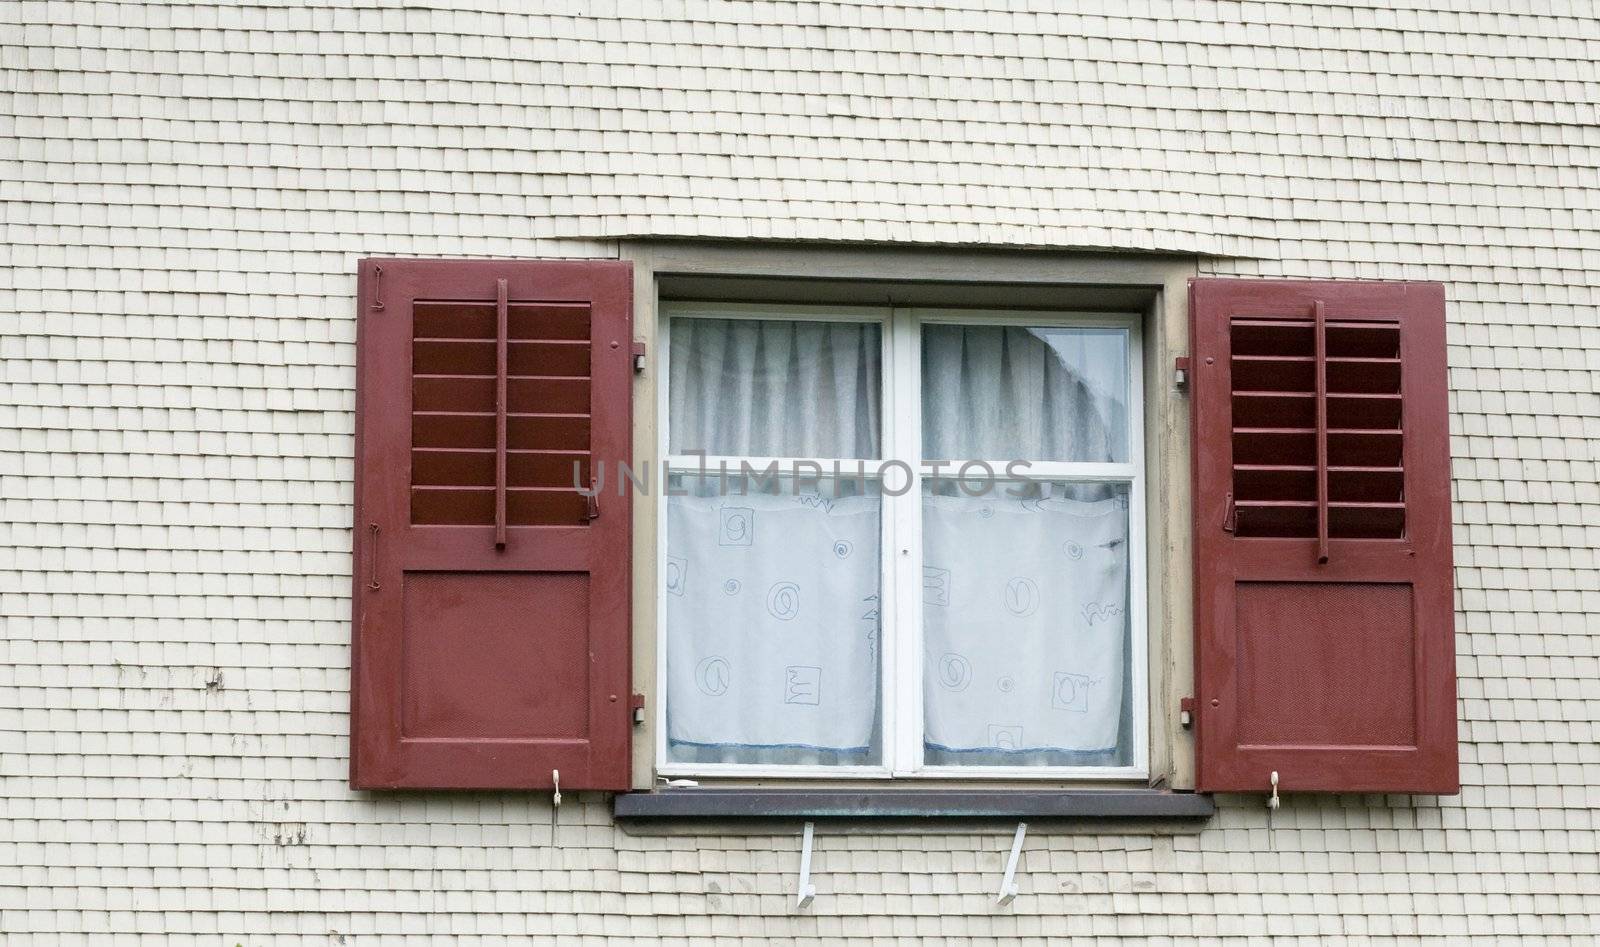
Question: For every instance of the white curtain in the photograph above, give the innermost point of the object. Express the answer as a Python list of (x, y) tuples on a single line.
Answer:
[(772, 598), (1025, 598), (1008, 393), (772, 625), (775, 388), (1025, 625)]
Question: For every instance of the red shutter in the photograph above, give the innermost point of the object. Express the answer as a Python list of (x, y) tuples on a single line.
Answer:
[(1325, 636), (491, 601)]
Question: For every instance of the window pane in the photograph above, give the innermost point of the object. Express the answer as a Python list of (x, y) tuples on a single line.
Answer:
[(1013, 393), (772, 621), (1025, 612), (774, 388)]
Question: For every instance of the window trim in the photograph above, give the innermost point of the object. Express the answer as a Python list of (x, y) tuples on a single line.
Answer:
[(878, 803), (1154, 284), (900, 425)]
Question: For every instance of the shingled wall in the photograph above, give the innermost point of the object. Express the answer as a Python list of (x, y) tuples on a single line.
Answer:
[(186, 187)]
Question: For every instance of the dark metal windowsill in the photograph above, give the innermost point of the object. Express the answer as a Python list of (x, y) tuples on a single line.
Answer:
[(900, 804)]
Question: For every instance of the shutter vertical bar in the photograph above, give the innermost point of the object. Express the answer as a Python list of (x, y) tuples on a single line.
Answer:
[(1321, 369), (500, 344)]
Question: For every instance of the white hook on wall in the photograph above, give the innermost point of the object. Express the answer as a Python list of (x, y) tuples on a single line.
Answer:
[(555, 777), (1008, 884), (806, 891)]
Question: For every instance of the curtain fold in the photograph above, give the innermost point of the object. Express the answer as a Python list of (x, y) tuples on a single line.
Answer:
[(1012, 393), (775, 388)]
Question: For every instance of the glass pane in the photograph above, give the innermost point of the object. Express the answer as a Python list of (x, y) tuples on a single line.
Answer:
[(775, 388), (772, 621), (1014, 393), (1025, 617)]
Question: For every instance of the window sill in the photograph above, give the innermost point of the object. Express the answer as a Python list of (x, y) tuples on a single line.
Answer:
[(911, 804)]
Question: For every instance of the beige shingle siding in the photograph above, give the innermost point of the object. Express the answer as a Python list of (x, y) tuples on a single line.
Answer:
[(186, 188)]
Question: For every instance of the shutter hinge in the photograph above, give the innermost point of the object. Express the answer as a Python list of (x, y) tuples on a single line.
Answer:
[(1186, 712), (377, 287), (372, 558), (638, 708), (1230, 516), (638, 358), (1180, 371)]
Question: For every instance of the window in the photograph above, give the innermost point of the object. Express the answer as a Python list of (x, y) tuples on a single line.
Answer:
[(904, 531), (902, 542)]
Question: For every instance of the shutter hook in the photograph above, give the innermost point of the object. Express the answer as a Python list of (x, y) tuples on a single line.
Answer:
[(1274, 801), (555, 776), (377, 287), (805, 891), (1008, 884)]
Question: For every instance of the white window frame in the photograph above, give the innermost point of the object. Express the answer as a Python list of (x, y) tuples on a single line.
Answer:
[(901, 542)]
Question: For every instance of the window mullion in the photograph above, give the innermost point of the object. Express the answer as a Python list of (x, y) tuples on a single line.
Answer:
[(903, 688), (888, 593)]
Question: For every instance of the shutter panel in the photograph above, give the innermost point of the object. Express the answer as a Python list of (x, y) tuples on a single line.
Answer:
[(491, 598), (1325, 631)]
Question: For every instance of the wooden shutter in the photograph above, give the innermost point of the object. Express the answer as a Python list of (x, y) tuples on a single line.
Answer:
[(1325, 646), (491, 597)]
